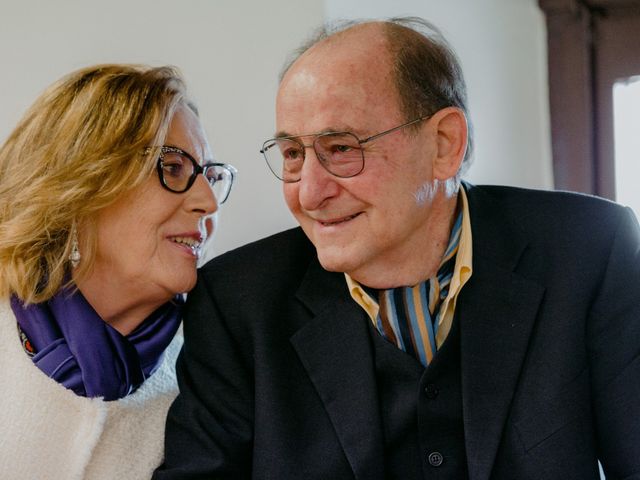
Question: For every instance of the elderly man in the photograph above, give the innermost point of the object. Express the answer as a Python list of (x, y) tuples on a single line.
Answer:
[(414, 326)]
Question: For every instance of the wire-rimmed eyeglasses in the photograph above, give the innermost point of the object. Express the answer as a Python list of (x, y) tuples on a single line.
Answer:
[(178, 171), (340, 153)]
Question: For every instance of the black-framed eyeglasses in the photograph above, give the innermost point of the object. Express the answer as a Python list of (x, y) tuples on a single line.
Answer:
[(340, 153), (178, 171)]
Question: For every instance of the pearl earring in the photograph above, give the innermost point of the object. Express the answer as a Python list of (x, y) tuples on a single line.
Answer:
[(74, 256)]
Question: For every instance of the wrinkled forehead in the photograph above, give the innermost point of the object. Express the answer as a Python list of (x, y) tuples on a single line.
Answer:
[(336, 83)]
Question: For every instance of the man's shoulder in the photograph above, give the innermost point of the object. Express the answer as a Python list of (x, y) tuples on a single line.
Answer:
[(527, 195), (546, 217), (527, 203)]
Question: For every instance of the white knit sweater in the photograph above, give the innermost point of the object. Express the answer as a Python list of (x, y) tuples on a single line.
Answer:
[(47, 432)]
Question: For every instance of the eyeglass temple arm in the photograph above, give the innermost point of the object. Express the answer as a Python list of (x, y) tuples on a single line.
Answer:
[(377, 135)]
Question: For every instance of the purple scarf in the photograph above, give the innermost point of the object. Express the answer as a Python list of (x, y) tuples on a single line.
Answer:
[(78, 349)]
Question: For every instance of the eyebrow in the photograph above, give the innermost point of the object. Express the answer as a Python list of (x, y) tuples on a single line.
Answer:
[(204, 160), (334, 129)]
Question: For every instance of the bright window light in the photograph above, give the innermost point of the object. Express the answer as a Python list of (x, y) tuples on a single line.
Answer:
[(626, 105)]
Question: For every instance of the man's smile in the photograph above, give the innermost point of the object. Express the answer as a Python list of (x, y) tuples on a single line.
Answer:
[(329, 223)]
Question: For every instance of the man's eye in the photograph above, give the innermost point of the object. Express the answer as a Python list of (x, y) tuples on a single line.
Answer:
[(341, 148), (292, 154)]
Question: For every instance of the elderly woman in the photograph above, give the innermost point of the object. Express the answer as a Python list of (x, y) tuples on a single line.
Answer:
[(102, 218)]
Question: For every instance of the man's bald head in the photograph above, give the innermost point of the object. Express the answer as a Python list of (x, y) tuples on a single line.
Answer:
[(424, 69)]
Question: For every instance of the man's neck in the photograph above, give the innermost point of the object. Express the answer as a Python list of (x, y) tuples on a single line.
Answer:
[(421, 259)]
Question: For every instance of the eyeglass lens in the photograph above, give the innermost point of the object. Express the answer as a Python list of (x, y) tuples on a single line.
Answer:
[(339, 153), (220, 180), (179, 172)]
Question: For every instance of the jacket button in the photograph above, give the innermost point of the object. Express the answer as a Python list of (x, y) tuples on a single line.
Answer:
[(435, 459), (431, 391)]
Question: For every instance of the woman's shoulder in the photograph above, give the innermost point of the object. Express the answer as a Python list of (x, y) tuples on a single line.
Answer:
[(49, 429), (134, 425)]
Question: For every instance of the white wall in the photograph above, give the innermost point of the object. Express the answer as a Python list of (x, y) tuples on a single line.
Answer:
[(231, 51), (502, 48)]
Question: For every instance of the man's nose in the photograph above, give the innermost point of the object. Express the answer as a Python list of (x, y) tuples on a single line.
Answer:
[(316, 183)]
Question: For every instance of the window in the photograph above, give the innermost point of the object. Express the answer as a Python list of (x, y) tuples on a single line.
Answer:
[(626, 119), (592, 44)]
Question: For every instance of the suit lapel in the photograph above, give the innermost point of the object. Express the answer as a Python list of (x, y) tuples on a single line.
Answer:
[(496, 311), (335, 349), (496, 315)]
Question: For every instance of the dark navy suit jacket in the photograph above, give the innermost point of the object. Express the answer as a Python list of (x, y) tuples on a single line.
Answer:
[(277, 378)]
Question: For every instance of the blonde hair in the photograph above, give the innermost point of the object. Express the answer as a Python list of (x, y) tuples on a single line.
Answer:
[(77, 149)]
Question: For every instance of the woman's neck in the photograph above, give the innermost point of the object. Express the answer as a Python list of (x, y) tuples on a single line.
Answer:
[(124, 307)]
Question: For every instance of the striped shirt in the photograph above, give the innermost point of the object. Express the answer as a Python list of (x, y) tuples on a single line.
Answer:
[(458, 251)]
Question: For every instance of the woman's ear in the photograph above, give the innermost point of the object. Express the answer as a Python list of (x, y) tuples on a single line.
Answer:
[(450, 125)]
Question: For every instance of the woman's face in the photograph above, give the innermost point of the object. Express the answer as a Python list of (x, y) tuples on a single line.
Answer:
[(147, 240)]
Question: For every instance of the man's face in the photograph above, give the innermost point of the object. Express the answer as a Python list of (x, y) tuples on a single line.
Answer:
[(371, 223)]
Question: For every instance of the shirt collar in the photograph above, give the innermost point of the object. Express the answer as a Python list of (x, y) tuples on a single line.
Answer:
[(461, 271)]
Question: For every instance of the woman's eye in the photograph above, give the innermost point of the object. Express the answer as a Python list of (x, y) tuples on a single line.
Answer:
[(213, 176), (173, 169), (174, 165)]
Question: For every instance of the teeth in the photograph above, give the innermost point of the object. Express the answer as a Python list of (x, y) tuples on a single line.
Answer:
[(189, 242), (186, 241)]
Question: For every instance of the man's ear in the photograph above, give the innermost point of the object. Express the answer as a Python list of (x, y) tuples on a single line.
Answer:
[(450, 125)]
